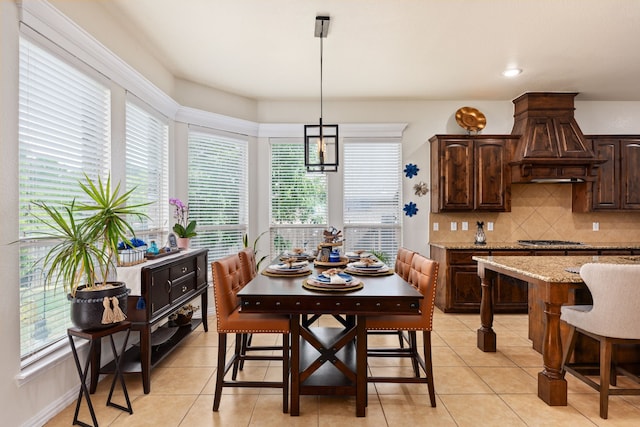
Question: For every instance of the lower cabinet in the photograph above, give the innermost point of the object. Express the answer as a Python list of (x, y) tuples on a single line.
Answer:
[(459, 289), (166, 286)]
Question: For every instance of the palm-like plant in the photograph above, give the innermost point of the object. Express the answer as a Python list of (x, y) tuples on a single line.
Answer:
[(245, 242), (85, 249)]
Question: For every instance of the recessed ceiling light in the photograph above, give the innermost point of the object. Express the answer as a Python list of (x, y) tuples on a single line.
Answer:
[(511, 72)]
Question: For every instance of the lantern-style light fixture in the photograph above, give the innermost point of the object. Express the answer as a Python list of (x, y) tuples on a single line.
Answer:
[(321, 140)]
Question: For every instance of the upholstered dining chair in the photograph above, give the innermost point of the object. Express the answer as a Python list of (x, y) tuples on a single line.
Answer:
[(402, 268), (612, 320), (249, 271), (227, 278), (423, 275)]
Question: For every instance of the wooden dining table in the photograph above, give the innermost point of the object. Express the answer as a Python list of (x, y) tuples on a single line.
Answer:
[(329, 360)]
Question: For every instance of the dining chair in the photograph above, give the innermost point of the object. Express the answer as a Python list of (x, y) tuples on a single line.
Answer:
[(402, 268), (227, 277), (423, 275), (249, 271), (612, 320)]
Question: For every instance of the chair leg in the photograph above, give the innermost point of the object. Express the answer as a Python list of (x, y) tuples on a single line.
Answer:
[(222, 352), (285, 373), (401, 339), (426, 338), (605, 376), (238, 358), (246, 343), (413, 347)]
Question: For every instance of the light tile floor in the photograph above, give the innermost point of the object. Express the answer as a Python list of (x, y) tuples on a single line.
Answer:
[(473, 389)]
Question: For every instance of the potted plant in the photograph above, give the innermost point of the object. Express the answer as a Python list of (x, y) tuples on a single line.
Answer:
[(184, 228), (83, 258)]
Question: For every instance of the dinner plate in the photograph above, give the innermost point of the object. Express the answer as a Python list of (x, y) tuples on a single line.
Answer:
[(363, 265), (314, 285), (285, 266), (327, 279)]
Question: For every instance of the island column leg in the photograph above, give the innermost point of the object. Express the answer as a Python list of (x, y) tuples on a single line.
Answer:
[(552, 387), (486, 335)]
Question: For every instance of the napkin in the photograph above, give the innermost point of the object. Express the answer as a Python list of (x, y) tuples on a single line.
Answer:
[(334, 277)]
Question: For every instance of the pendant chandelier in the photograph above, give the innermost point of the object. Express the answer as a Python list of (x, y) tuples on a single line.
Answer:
[(321, 140)]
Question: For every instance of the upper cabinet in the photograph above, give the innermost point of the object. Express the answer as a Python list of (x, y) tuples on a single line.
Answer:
[(617, 186), (470, 172)]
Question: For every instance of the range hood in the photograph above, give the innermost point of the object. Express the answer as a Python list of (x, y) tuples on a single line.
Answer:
[(551, 147)]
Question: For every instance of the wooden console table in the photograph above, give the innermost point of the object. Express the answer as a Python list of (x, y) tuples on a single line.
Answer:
[(165, 286)]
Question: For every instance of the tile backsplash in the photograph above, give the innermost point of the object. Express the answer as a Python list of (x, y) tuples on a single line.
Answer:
[(539, 211)]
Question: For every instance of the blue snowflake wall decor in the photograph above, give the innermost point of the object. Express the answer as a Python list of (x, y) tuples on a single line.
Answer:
[(410, 209), (411, 170)]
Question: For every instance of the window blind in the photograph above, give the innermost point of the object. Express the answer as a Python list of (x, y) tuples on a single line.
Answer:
[(299, 204), (147, 145), (64, 133), (218, 191), (372, 195)]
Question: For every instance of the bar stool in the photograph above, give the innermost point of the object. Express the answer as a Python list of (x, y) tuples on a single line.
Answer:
[(94, 337)]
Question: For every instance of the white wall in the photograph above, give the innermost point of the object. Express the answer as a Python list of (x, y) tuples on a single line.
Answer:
[(43, 395)]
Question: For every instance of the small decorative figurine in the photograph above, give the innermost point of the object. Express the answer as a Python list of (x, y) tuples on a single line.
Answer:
[(481, 239)]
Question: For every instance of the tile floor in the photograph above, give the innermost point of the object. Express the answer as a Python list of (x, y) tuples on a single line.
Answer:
[(473, 389)]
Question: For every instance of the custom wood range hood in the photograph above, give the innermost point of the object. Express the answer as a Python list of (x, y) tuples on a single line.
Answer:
[(551, 147)]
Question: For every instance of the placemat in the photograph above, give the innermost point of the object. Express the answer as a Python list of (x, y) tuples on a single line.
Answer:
[(304, 272)]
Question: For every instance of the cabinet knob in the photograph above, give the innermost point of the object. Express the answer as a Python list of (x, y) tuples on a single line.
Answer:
[(184, 288), (378, 304), (184, 269)]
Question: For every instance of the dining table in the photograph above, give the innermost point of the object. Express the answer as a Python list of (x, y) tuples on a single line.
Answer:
[(329, 360)]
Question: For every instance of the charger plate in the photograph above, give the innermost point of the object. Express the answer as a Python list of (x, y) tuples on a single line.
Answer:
[(313, 285), (354, 272), (296, 273)]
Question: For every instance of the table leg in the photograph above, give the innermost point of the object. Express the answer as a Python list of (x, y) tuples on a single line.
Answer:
[(552, 387), (361, 366), (145, 357), (117, 375), (204, 302), (294, 409), (486, 334), (84, 391)]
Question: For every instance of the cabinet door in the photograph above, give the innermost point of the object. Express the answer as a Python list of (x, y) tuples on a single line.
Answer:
[(606, 189), (456, 175), (491, 175), (160, 290), (466, 290), (630, 179)]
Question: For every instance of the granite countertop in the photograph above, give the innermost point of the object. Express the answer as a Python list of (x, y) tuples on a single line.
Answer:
[(552, 269), (516, 245)]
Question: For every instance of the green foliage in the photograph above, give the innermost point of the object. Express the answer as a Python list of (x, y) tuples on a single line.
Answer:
[(381, 256), (85, 248), (245, 242), (189, 231)]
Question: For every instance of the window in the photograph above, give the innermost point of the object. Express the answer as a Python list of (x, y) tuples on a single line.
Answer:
[(64, 132), (299, 208), (147, 142), (372, 196), (218, 191)]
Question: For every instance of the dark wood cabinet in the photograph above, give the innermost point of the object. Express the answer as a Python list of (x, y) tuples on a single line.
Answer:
[(165, 287), (459, 289), (617, 184), (470, 173)]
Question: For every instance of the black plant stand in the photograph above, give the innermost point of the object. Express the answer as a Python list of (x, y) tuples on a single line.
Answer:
[(94, 337)]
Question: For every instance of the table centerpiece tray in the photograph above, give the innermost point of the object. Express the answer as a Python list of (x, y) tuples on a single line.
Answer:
[(162, 254)]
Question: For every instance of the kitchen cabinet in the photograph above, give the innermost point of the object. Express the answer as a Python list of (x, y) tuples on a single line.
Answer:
[(166, 286), (470, 173), (617, 184), (459, 289)]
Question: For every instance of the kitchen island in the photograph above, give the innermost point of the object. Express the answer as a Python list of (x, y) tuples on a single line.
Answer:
[(551, 284)]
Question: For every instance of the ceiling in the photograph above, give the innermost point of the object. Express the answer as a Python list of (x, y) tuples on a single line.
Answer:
[(394, 49)]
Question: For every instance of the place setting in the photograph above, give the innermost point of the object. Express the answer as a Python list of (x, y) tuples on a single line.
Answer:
[(332, 280), (289, 267), (299, 253), (368, 266)]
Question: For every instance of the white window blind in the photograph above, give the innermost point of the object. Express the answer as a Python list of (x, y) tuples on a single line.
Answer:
[(372, 195), (299, 206), (147, 145), (64, 133), (218, 191)]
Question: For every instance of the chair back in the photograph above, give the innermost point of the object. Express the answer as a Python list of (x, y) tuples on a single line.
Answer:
[(424, 276), (248, 261), (227, 282), (403, 262), (615, 289)]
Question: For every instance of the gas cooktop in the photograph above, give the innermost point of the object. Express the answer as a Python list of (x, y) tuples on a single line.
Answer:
[(549, 243)]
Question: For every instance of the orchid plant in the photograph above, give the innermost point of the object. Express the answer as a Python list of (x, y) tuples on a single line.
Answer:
[(183, 227)]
